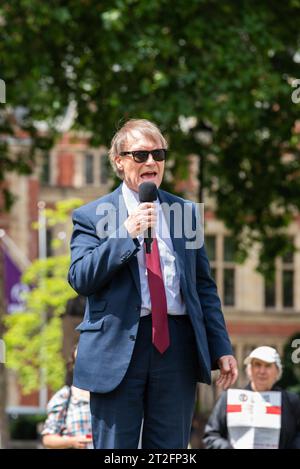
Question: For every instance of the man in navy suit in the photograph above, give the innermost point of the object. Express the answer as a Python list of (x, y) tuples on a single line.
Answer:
[(153, 324)]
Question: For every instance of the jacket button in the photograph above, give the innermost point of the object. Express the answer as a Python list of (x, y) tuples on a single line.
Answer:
[(132, 337), (137, 308)]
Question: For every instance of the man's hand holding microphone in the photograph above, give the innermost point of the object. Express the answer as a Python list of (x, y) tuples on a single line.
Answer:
[(142, 218)]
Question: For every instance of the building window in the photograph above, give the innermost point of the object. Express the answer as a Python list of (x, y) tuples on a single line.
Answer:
[(288, 288), (45, 169), (288, 280), (228, 271), (49, 241), (229, 287), (89, 168), (270, 300), (279, 292), (104, 168), (221, 252), (210, 245)]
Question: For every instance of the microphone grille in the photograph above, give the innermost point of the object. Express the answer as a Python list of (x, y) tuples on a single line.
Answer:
[(147, 192)]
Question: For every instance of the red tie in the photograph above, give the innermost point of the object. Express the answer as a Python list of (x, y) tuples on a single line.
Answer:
[(160, 328)]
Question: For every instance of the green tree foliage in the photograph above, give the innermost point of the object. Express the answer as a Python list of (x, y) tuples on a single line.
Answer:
[(34, 337), (228, 65)]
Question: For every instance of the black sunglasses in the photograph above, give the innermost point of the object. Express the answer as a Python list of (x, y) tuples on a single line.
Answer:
[(141, 156)]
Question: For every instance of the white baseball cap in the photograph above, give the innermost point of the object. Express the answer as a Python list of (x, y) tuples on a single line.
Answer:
[(266, 354)]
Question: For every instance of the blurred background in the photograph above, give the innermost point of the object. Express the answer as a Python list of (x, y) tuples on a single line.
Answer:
[(222, 81)]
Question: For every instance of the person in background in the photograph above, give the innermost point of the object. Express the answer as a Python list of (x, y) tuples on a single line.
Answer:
[(68, 423), (264, 369)]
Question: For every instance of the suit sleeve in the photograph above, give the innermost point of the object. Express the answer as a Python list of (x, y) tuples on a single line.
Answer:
[(95, 261), (216, 432), (217, 336)]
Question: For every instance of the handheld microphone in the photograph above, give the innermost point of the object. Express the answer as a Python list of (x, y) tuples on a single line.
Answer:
[(148, 193)]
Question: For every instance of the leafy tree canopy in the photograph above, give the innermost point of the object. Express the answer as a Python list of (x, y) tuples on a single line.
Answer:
[(227, 65)]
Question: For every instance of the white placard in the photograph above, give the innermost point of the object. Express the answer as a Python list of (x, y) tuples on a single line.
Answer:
[(253, 419)]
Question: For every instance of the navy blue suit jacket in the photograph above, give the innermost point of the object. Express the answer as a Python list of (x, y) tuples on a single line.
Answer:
[(105, 271)]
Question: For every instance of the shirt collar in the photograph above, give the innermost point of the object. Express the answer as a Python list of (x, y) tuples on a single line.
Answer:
[(132, 198)]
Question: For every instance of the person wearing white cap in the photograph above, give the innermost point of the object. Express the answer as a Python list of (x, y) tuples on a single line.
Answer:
[(264, 369)]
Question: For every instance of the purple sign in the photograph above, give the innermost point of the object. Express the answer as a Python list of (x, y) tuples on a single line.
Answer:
[(14, 288)]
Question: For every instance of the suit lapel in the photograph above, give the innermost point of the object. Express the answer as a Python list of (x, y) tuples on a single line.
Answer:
[(119, 203)]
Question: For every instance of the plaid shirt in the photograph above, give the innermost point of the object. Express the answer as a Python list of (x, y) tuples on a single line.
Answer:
[(76, 420)]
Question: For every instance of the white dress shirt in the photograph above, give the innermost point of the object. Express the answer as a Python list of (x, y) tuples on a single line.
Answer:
[(175, 303)]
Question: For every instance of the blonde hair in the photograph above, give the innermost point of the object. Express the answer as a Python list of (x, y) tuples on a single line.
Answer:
[(130, 128)]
